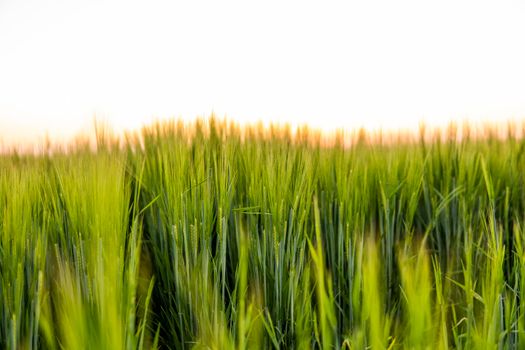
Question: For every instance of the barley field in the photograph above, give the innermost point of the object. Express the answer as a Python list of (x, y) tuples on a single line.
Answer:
[(214, 236)]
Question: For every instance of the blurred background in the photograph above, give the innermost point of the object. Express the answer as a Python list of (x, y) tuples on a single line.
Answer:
[(330, 64)]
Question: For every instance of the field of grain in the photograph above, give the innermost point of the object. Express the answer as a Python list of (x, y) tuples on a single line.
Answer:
[(213, 236)]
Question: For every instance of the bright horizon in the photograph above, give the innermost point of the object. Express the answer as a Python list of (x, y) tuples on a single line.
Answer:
[(331, 64)]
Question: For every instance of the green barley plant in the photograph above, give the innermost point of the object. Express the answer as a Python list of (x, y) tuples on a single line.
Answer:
[(209, 235)]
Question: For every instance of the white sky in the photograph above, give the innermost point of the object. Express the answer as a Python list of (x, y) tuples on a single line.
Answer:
[(327, 63)]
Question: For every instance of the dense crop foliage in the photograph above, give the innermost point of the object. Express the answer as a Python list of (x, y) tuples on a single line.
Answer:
[(211, 236)]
